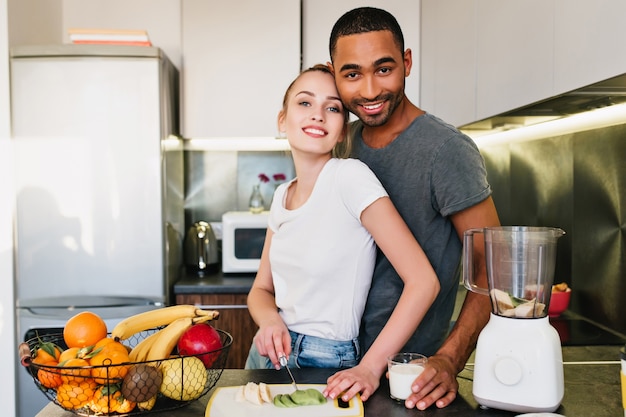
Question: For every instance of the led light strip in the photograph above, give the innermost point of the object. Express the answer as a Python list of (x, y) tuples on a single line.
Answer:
[(604, 117)]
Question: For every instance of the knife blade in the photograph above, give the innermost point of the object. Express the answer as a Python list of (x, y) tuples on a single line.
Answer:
[(283, 363)]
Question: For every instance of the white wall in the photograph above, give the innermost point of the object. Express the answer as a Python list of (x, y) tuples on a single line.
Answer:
[(34, 22), (7, 304)]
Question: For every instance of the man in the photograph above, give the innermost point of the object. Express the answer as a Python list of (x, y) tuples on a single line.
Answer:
[(435, 176)]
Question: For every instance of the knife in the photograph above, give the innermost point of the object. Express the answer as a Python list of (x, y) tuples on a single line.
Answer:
[(283, 362)]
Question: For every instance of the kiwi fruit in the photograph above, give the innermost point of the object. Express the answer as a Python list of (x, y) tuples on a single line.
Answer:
[(141, 383)]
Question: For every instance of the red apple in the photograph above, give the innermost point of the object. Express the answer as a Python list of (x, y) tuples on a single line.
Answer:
[(198, 340)]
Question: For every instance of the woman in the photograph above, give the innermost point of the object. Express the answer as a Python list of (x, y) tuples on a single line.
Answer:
[(318, 258)]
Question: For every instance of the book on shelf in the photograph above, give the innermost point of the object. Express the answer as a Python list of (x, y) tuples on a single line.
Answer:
[(110, 37)]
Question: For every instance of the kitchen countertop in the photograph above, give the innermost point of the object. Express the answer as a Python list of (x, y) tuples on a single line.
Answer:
[(592, 388), (213, 283)]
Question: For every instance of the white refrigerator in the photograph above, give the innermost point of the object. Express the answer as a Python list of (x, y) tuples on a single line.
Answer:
[(99, 216)]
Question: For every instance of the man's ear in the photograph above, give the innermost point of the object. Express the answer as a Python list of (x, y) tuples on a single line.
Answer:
[(408, 62), (330, 67)]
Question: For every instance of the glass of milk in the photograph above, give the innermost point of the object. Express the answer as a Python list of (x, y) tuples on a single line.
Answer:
[(403, 369)]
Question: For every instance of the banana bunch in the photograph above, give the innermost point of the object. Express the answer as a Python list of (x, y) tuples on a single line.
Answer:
[(158, 318), (159, 345)]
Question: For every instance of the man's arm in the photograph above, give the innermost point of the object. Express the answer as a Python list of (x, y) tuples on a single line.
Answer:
[(438, 384)]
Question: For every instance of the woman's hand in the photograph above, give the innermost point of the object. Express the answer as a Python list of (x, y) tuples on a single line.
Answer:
[(349, 382), (273, 341)]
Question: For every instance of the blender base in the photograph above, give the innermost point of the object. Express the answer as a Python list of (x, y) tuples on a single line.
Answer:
[(518, 365)]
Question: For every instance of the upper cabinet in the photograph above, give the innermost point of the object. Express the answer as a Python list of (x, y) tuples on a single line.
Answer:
[(319, 16), (589, 41), (448, 74), (514, 54), (238, 59), (484, 57)]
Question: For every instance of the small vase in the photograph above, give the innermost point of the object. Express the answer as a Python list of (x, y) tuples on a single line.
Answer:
[(256, 204)]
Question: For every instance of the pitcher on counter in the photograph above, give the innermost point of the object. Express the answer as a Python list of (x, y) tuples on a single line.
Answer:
[(324, 228)]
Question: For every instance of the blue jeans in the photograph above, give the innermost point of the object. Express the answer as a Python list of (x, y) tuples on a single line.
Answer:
[(312, 352)]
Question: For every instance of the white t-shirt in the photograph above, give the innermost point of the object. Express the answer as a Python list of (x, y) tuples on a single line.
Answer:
[(322, 258)]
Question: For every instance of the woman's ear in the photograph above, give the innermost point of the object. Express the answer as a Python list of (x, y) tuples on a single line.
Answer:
[(281, 121)]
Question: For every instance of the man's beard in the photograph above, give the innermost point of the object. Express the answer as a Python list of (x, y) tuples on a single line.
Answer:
[(393, 101)]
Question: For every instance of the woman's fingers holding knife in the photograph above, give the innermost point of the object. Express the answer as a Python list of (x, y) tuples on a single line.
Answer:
[(273, 341)]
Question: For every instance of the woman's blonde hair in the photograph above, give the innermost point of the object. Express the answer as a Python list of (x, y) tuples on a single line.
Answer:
[(342, 149)]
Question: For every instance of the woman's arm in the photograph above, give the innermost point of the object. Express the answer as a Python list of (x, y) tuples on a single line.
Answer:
[(421, 287), (272, 339)]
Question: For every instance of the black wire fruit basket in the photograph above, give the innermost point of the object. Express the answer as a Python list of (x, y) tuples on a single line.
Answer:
[(99, 390)]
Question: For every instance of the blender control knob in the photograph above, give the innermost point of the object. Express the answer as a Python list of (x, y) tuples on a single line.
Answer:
[(508, 371)]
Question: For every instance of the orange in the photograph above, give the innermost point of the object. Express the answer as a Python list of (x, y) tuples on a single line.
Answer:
[(106, 364), (74, 395), (48, 377), (67, 354), (123, 405), (109, 399), (76, 369), (47, 352), (108, 344), (84, 329)]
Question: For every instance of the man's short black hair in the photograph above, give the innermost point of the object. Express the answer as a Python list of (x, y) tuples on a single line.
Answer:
[(363, 20)]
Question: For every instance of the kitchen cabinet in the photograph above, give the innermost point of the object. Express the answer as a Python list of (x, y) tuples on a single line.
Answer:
[(514, 54), (481, 58), (588, 42), (234, 319), (239, 59), (319, 16), (449, 68)]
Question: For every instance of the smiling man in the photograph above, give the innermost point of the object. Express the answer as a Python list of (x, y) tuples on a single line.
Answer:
[(434, 175)]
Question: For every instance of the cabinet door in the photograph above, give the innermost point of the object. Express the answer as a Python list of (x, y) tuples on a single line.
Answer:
[(239, 58), (234, 319), (448, 78), (319, 16), (515, 54), (588, 42)]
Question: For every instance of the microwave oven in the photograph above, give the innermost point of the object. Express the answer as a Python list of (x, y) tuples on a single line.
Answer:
[(243, 236)]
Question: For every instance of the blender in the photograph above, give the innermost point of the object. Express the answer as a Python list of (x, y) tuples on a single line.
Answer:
[(518, 361)]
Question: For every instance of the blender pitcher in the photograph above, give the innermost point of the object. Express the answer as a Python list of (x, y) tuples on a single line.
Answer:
[(520, 264)]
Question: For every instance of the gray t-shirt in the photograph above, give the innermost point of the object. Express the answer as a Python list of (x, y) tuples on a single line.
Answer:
[(431, 171)]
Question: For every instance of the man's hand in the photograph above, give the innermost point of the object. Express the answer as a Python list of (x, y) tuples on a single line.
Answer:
[(351, 381), (437, 384)]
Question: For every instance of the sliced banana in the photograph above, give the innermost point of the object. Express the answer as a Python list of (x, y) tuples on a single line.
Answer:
[(266, 395), (240, 397), (254, 393)]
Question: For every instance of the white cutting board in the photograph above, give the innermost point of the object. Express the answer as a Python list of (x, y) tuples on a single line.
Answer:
[(223, 404)]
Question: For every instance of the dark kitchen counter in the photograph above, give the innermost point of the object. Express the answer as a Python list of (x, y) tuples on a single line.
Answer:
[(213, 283), (592, 388)]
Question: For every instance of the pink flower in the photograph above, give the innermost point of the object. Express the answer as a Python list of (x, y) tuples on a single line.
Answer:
[(278, 178)]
